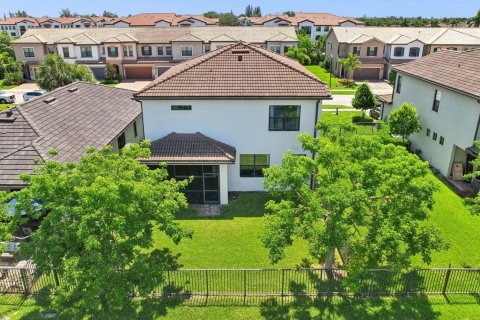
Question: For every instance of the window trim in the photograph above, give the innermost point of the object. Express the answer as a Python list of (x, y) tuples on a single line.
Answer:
[(146, 51), (66, 50), (186, 47), (270, 118), (410, 52), (254, 165), (158, 51), (399, 48), (31, 53), (357, 51), (82, 52), (167, 50), (109, 52), (436, 103), (375, 51)]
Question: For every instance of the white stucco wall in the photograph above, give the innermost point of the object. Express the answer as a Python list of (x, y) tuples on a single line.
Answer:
[(456, 121), (95, 53), (242, 124), (192, 23), (162, 24), (406, 53), (121, 24)]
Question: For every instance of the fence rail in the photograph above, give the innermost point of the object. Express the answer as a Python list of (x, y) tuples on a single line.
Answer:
[(276, 282)]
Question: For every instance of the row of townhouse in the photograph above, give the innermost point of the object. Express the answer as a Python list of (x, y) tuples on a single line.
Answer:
[(314, 24), (220, 118), (140, 53), (444, 87), (16, 27), (381, 48)]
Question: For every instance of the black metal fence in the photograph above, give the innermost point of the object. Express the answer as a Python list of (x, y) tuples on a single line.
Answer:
[(359, 128), (278, 282)]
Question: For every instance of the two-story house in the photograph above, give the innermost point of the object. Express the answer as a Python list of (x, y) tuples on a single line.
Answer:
[(444, 87), (161, 20), (140, 53), (314, 24), (381, 48), (15, 27), (226, 115)]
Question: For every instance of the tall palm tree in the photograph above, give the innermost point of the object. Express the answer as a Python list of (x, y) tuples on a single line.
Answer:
[(350, 64), (299, 54)]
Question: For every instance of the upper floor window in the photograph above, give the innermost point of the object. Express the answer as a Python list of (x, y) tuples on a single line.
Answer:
[(327, 28), (284, 118), (121, 141), (452, 49), (399, 84), (207, 48), (372, 51), (343, 49), (436, 49), (187, 51), (146, 51), (319, 28), (398, 52), (160, 50), (28, 52), (112, 51), (168, 50), (357, 50), (50, 50), (181, 107), (275, 48), (436, 100), (252, 165), (66, 52), (414, 52), (128, 51), (86, 52), (307, 29)]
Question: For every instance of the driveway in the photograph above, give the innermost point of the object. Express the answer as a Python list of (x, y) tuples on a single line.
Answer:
[(340, 100), (133, 84), (380, 87), (18, 91)]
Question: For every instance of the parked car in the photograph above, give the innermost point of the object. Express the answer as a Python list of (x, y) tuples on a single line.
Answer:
[(33, 94), (375, 113), (6, 97)]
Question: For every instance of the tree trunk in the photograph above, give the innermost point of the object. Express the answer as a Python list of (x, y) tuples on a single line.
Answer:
[(329, 264)]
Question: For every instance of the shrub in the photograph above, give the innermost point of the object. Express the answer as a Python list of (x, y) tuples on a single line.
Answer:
[(13, 78), (326, 64), (347, 82), (356, 119), (385, 136), (392, 76), (109, 82), (110, 71)]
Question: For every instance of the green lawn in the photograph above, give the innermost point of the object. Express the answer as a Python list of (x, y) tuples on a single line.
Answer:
[(332, 106), (345, 117), (324, 75), (6, 106), (2, 87)]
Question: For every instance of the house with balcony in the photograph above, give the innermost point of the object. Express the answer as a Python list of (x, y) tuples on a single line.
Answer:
[(444, 87), (381, 48), (314, 24), (140, 53), (225, 116)]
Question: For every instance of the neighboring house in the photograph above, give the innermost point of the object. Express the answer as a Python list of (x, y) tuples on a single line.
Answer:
[(314, 24), (15, 27), (63, 120), (381, 48), (162, 20), (224, 116), (444, 87), (140, 53), (64, 23)]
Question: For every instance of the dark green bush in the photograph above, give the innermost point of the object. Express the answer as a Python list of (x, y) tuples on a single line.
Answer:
[(357, 119), (12, 78)]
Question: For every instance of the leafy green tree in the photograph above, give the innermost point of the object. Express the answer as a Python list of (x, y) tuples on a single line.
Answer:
[(350, 64), (305, 41), (6, 44), (364, 98), (19, 14), (110, 71), (98, 233), (321, 48), (54, 72), (434, 23), (108, 14), (299, 54), (228, 19), (365, 204), (290, 13), (257, 12), (476, 19), (404, 120), (211, 14), (249, 11), (392, 77)]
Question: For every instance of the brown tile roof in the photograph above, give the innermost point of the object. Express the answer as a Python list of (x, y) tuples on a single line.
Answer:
[(93, 115), (318, 19), (456, 70), (148, 19), (190, 147), (237, 70), (387, 98), (12, 21)]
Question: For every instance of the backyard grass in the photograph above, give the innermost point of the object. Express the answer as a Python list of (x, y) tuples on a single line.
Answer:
[(345, 117), (333, 106), (3, 87), (6, 106), (324, 75)]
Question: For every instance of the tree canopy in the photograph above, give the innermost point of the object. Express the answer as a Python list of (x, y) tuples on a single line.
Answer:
[(299, 54), (364, 98), (98, 233), (404, 120), (54, 72), (350, 64), (371, 202), (228, 19)]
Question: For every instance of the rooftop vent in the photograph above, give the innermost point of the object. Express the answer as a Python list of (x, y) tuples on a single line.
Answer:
[(240, 58), (49, 99), (74, 89), (240, 51), (6, 117)]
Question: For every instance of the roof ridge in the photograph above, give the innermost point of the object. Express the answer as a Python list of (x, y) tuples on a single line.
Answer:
[(29, 121), (216, 144)]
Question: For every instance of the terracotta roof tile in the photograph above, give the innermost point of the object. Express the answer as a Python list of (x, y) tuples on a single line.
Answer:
[(237, 70)]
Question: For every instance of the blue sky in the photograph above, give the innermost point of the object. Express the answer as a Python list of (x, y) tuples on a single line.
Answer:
[(356, 8)]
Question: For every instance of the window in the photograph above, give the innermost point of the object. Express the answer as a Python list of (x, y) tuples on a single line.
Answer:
[(207, 48), (343, 49), (307, 29), (112, 51), (146, 51), (442, 140), (66, 52), (121, 141), (168, 50), (326, 29), (435, 136), (428, 132), (86, 52), (414, 52), (436, 100), (28, 52), (50, 50), (372, 51), (399, 84), (319, 28), (252, 165), (452, 49), (436, 49), (284, 118), (275, 48), (160, 50), (187, 51), (398, 52), (135, 130), (181, 108), (128, 51), (356, 50)]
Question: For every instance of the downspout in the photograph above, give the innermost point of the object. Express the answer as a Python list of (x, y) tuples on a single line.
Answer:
[(312, 178)]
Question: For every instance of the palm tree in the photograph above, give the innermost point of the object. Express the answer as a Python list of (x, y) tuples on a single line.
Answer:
[(350, 64), (299, 54)]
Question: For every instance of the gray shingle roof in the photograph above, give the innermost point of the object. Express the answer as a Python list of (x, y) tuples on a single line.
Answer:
[(190, 147), (237, 70), (455, 70), (93, 115)]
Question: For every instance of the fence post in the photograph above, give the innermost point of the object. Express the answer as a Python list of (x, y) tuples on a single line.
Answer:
[(206, 279), (283, 284), (244, 283), (23, 275), (447, 278)]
